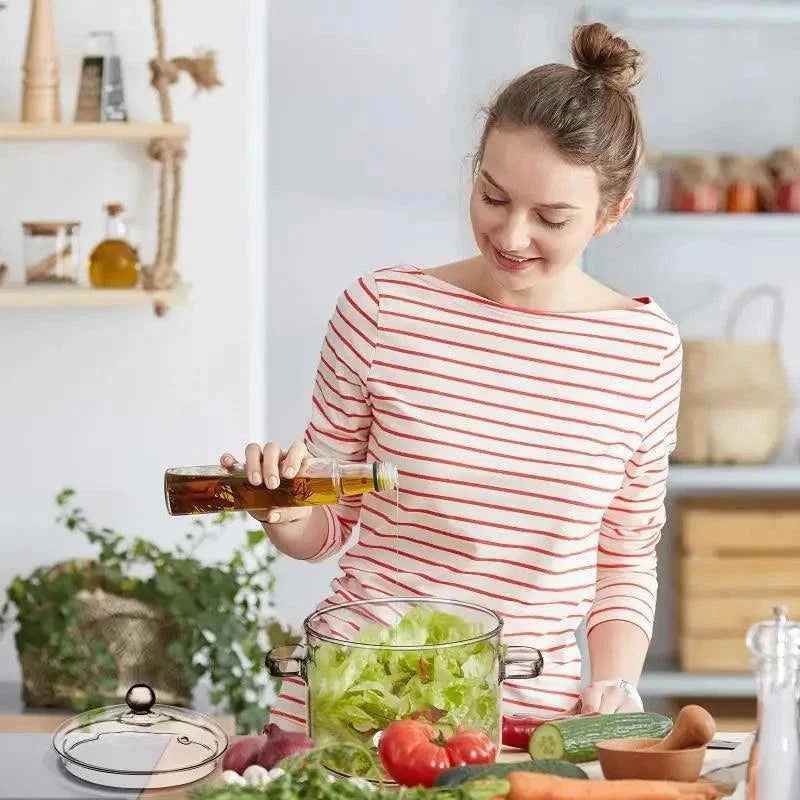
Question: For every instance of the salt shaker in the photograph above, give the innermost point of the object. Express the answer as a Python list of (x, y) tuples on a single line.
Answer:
[(773, 771)]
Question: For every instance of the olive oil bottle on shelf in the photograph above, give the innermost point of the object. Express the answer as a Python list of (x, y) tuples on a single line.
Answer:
[(322, 481), (114, 263)]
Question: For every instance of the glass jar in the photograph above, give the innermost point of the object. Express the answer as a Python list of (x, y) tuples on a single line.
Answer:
[(696, 185), (744, 179), (370, 662), (649, 191), (784, 165), (50, 251)]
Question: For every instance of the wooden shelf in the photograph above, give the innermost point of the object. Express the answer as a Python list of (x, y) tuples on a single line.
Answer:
[(639, 221), (689, 478), (43, 296), (92, 131), (677, 13), (669, 681)]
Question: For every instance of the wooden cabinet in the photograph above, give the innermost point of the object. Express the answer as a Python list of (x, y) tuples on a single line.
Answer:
[(739, 557)]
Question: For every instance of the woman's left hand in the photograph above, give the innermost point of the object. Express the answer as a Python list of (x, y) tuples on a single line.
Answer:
[(608, 697)]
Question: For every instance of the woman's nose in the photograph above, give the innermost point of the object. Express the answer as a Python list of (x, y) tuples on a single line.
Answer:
[(515, 236)]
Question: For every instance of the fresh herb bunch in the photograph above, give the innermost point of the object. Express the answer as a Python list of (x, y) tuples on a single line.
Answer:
[(305, 778), (220, 613)]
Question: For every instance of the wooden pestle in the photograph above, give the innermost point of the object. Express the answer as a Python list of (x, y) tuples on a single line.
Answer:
[(695, 727)]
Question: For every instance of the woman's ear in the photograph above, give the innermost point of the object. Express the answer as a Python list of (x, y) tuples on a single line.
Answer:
[(612, 215)]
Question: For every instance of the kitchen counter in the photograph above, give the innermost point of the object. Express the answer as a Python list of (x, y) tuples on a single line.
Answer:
[(35, 730)]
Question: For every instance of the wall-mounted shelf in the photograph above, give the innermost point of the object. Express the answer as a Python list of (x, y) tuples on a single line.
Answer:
[(674, 222), (43, 296), (92, 131), (59, 296), (687, 478), (669, 681), (665, 13)]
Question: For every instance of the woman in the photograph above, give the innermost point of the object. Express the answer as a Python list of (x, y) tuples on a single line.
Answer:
[(529, 409)]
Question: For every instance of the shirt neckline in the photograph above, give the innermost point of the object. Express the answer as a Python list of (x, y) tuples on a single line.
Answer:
[(648, 305)]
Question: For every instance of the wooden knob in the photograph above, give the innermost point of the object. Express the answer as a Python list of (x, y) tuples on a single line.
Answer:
[(695, 727)]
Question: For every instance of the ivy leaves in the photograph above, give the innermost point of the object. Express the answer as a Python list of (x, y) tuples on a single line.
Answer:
[(219, 614)]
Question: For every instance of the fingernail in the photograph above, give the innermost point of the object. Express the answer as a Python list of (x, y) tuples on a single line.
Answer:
[(273, 482), (255, 478), (289, 472), (273, 517)]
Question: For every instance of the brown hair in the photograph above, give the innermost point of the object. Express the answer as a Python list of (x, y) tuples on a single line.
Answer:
[(588, 111)]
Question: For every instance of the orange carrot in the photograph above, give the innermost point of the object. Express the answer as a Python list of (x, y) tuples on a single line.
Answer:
[(536, 786)]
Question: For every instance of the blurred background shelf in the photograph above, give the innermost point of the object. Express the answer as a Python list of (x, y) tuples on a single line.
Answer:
[(666, 680), (40, 296), (92, 131), (688, 478), (664, 13), (674, 222)]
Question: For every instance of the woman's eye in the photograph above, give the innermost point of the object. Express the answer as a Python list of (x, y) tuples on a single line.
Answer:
[(493, 201), (554, 225)]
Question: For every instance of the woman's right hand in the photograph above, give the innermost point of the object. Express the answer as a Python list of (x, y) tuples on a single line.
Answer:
[(265, 466)]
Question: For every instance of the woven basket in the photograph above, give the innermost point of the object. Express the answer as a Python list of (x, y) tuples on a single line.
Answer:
[(137, 637), (734, 406)]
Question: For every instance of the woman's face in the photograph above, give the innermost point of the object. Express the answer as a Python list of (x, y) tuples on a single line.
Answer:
[(532, 212)]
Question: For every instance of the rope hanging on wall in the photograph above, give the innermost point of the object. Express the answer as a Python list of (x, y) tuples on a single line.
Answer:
[(170, 154)]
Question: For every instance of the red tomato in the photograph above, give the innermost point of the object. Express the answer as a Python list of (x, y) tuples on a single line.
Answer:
[(414, 752)]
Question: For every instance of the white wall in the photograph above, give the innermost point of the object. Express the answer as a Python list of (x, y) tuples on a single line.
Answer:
[(372, 120), (104, 400), (371, 123)]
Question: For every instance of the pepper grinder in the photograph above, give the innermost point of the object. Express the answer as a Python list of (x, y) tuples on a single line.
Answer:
[(40, 100), (773, 771)]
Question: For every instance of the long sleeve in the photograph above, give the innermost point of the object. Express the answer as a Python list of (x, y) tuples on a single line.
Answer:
[(341, 415), (631, 527)]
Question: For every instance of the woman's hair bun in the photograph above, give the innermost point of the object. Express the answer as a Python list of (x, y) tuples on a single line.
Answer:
[(596, 50)]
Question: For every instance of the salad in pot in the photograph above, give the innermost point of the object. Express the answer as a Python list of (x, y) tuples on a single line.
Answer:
[(417, 681)]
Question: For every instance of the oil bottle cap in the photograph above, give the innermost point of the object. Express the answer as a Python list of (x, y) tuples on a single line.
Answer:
[(385, 475)]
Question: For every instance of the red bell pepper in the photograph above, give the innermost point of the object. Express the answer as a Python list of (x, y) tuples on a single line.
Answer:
[(517, 730)]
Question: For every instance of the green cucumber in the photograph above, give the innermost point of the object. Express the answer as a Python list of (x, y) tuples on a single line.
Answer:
[(455, 776), (574, 739)]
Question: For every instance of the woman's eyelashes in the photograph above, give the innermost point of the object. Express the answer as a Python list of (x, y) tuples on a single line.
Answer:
[(496, 201)]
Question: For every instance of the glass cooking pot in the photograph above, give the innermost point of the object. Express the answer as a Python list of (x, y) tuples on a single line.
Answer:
[(369, 662)]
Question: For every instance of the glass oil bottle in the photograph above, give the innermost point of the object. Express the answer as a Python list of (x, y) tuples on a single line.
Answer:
[(114, 263), (322, 481)]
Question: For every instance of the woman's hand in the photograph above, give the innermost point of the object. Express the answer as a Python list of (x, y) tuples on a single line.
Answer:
[(265, 466), (608, 697)]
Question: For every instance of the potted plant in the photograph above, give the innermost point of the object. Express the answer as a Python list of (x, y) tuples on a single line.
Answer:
[(89, 628)]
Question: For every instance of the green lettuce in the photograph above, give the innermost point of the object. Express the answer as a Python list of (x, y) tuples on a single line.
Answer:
[(356, 692)]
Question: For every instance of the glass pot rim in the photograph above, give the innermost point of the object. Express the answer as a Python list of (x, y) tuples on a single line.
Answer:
[(411, 600)]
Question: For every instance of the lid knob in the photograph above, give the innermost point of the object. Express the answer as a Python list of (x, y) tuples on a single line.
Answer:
[(140, 698)]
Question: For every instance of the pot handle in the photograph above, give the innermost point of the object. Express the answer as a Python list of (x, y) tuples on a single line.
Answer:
[(521, 662), (287, 661)]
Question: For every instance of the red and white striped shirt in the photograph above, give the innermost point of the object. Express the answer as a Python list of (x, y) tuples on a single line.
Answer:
[(532, 449)]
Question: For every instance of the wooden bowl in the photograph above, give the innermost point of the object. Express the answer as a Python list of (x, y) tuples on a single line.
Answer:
[(625, 758)]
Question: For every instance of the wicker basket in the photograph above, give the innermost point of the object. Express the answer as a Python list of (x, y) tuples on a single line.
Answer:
[(137, 637), (735, 401)]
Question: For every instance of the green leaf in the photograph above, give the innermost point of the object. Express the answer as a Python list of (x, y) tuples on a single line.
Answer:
[(255, 536), (210, 608)]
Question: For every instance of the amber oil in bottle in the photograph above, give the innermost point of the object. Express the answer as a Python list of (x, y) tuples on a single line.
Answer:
[(206, 490)]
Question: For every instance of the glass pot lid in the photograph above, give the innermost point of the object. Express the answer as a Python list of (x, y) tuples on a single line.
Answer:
[(139, 740)]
